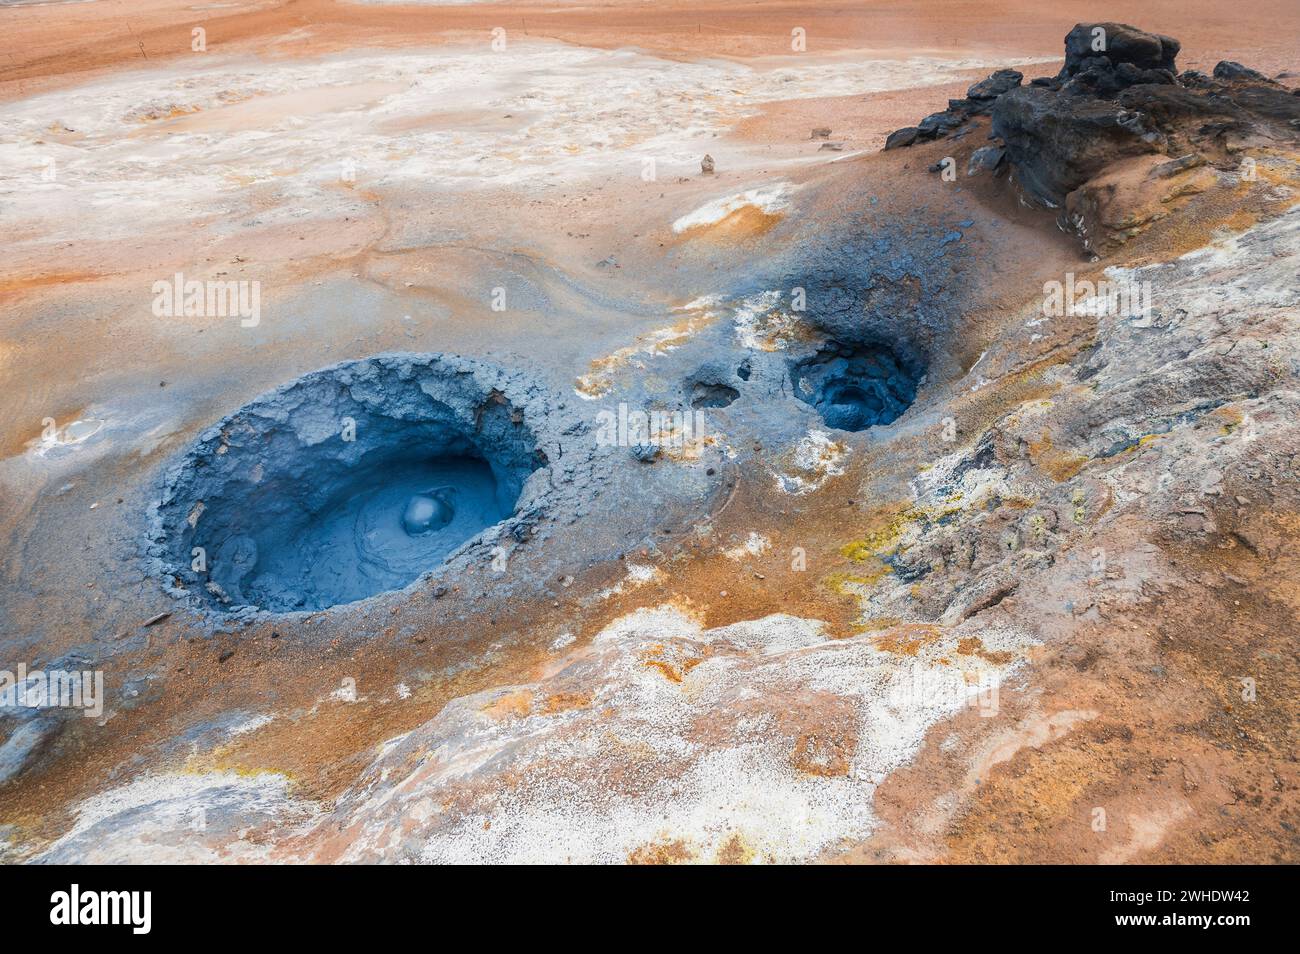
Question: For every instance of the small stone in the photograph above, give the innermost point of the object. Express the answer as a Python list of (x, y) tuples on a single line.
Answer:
[(985, 158), (706, 165), (225, 655), (1174, 166)]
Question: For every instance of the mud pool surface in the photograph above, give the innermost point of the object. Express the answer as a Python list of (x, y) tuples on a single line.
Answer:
[(381, 530)]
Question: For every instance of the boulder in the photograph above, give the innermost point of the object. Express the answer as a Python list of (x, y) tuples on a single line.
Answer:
[(1003, 81), (985, 158), (1102, 79), (1131, 195), (1057, 142), (1118, 43), (1195, 79), (902, 137), (938, 124), (1228, 71)]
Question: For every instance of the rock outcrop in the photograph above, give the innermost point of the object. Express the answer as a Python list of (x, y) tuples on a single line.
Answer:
[(1119, 43), (1056, 142), (978, 102), (1119, 96)]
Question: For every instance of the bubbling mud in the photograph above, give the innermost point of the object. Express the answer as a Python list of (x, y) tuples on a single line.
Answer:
[(385, 525), (348, 482)]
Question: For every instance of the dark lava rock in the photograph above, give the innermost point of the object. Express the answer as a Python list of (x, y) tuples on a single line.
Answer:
[(980, 100), (1057, 142), (855, 387), (937, 124), (1241, 106), (1003, 81), (902, 137), (1228, 71), (1118, 43), (1119, 95), (985, 158), (1104, 80)]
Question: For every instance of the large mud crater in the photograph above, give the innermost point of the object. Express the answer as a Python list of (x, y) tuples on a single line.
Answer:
[(348, 482)]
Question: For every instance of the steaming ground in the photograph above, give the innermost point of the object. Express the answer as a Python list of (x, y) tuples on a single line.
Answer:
[(777, 641)]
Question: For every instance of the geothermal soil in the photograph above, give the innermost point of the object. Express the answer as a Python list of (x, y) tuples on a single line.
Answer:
[(994, 586)]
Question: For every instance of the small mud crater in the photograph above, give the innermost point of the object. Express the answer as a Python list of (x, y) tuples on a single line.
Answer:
[(712, 395), (855, 387), (348, 482)]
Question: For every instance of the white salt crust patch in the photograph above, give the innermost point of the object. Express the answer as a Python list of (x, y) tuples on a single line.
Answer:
[(677, 736), (755, 544), (229, 137), (638, 575), (816, 458), (702, 763), (182, 818), (767, 199), (598, 382), (762, 324)]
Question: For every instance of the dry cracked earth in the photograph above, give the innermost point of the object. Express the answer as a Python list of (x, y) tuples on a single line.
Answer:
[(724, 433)]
